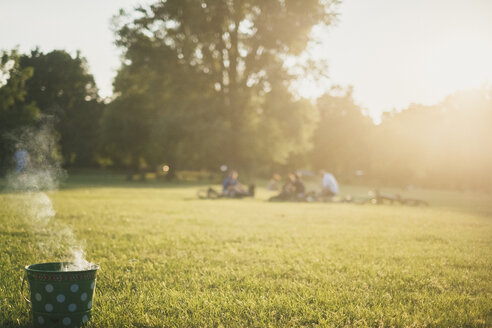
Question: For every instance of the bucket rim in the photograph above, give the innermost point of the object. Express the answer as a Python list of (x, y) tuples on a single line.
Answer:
[(94, 267)]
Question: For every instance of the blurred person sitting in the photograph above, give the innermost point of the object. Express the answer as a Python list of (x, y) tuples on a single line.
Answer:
[(274, 181), (329, 186), (21, 157), (231, 187), (299, 186), (288, 191)]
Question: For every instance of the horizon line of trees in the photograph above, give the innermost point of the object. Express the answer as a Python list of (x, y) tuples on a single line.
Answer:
[(203, 84)]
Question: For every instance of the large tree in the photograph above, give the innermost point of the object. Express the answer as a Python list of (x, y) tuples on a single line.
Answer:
[(62, 87), (214, 75)]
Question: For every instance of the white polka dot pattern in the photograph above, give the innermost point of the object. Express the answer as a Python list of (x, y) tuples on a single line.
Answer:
[(60, 298), (48, 307), (49, 288), (66, 321), (74, 288), (72, 307), (60, 301)]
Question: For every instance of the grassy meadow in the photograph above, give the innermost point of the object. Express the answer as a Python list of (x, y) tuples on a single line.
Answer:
[(169, 259)]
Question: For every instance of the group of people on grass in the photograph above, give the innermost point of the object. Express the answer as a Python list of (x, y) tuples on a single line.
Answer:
[(293, 188)]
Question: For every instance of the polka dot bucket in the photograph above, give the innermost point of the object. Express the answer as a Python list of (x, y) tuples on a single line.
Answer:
[(60, 298)]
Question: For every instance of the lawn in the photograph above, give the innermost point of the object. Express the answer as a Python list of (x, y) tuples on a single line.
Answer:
[(169, 259)]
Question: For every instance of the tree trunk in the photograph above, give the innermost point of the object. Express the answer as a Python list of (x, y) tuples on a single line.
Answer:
[(235, 109)]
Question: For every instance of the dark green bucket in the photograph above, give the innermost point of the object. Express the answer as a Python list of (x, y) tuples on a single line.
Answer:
[(60, 298)]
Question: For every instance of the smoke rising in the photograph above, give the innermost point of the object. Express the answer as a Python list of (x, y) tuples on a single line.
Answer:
[(37, 173)]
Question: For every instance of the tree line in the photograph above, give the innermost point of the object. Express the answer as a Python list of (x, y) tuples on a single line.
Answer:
[(204, 83)]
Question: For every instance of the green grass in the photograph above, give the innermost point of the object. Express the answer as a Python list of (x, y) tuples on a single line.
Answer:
[(170, 260)]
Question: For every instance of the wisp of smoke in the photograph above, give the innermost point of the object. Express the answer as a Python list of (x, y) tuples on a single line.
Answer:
[(78, 261), (31, 183)]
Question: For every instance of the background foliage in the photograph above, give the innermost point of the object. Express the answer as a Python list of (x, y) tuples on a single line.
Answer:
[(205, 83)]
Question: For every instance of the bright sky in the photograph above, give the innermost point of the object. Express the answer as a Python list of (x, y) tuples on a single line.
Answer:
[(393, 52), (402, 51)]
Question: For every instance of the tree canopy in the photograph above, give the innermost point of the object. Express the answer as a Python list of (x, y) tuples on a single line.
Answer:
[(213, 78), (342, 140), (16, 110), (61, 86)]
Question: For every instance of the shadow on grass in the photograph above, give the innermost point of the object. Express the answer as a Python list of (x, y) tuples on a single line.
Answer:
[(114, 181), (16, 324), (19, 234)]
